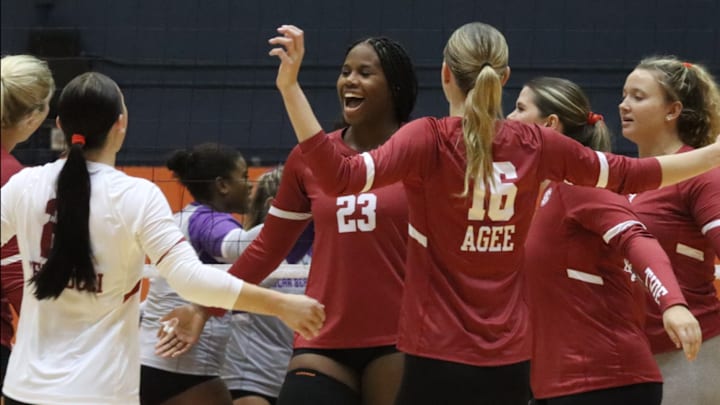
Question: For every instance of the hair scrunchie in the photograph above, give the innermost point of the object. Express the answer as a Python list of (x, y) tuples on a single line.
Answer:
[(77, 139), (593, 118)]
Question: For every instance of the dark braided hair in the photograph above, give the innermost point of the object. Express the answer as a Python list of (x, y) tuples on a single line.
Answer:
[(399, 73)]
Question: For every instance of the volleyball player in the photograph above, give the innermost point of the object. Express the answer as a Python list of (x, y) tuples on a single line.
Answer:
[(84, 230), (471, 180), (671, 107), (27, 86), (359, 246), (577, 280)]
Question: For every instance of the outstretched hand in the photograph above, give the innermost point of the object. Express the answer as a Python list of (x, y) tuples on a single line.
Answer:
[(302, 314), (290, 50), (181, 329), (683, 329)]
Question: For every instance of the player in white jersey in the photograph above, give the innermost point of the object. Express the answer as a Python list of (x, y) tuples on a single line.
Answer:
[(84, 230)]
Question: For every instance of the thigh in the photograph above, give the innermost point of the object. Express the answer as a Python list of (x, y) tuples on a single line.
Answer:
[(326, 365), (431, 381), (635, 394), (210, 392), (381, 379), (243, 397), (160, 386)]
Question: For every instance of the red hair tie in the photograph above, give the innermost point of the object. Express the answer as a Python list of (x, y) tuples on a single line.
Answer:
[(593, 118), (687, 64), (77, 139)]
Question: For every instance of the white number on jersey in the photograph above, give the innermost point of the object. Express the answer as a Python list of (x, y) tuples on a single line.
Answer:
[(501, 202), (367, 203)]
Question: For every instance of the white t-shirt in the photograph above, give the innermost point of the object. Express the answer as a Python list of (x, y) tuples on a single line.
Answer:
[(83, 348)]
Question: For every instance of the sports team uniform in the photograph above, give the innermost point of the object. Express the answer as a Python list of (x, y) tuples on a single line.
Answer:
[(217, 237), (11, 277), (260, 347), (358, 253), (82, 348), (685, 218), (585, 332), (463, 302)]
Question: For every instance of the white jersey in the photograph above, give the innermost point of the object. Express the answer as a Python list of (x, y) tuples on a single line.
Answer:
[(82, 348)]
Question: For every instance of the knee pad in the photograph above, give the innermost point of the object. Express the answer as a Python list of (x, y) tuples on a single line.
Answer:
[(304, 386)]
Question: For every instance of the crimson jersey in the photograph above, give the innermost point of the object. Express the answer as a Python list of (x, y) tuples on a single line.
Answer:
[(585, 332), (685, 218), (463, 297), (358, 253), (11, 275)]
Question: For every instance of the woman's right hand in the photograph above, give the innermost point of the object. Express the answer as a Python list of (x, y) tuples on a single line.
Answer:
[(302, 314), (290, 51), (683, 329)]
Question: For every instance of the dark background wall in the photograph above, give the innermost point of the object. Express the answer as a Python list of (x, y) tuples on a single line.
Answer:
[(197, 70)]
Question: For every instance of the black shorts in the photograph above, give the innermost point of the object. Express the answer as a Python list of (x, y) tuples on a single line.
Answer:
[(4, 358), (430, 381), (157, 386), (10, 401), (356, 358), (636, 394), (235, 394)]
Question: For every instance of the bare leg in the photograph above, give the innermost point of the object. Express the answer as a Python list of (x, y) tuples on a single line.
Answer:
[(211, 392), (381, 379)]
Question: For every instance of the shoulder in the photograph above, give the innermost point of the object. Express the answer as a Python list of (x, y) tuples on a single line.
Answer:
[(524, 134), (10, 166)]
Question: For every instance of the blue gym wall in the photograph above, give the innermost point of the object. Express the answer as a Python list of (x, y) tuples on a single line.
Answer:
[(197, 70)]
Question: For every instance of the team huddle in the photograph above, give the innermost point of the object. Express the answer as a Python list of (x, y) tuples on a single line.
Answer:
[(468, 259)]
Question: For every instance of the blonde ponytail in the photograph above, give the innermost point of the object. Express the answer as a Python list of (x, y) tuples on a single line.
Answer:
[(482, 110)]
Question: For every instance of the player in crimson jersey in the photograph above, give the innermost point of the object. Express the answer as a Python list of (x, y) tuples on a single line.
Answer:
[(589, 346), (670, 108), (84, 229), (359, 245), (471, 181), (27, 86)]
